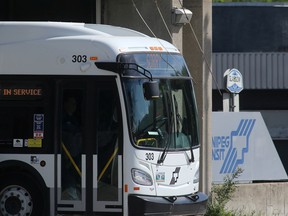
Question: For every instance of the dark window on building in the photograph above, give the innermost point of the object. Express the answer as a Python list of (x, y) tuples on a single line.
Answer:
[(250, 28), (48, 10)]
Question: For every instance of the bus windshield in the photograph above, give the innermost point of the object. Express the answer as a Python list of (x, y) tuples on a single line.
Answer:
[(168, 122)]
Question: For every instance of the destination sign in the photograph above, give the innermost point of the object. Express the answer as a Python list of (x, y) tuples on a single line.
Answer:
[(20, 91), (31, 92)]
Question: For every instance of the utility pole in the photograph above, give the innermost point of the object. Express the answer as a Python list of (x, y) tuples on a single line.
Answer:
[(197, 50)]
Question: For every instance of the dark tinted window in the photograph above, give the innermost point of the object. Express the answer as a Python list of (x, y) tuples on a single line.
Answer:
[(25, 114), (48, 10)]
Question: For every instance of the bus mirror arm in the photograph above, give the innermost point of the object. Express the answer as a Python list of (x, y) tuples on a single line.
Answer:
[(119, 67), (151, 88)]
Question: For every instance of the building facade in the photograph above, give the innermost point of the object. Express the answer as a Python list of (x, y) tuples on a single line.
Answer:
[(253, 38)]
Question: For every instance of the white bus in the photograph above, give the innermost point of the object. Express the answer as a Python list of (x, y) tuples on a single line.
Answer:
[(95, 120)]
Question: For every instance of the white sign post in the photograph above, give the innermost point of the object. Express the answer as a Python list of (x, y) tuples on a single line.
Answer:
[(234, 85)]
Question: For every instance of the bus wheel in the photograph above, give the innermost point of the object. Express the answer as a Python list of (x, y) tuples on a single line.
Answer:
[(19, 195)]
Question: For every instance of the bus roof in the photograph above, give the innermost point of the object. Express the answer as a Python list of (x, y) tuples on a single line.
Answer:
[(26, 31), (9, 31), (48, 44)]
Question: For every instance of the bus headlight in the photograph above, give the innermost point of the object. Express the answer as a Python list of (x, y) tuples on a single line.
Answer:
[(141, 177)]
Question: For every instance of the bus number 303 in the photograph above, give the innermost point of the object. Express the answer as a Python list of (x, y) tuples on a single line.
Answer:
[(149, 156), (79, 58)]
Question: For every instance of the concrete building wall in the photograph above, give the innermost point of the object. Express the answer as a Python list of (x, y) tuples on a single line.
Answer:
[(261, 199), (150, 17), (197, 39)]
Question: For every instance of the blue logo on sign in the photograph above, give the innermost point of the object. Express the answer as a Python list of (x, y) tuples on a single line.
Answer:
[(234, 88), (232, 149)]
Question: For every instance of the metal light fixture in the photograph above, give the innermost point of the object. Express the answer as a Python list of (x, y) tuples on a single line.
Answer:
[(181, 16)]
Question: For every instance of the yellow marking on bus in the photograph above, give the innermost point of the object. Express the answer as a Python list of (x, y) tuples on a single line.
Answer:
[(36, 143), (145, 139), (71, 159), (108, 163)]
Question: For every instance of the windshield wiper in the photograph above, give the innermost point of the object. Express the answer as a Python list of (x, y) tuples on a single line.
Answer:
[(191, 160)]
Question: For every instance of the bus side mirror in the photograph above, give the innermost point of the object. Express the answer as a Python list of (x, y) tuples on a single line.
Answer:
[(151, 90)]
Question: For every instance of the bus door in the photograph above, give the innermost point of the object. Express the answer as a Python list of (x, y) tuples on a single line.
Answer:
[(89, 159), (107, 157)]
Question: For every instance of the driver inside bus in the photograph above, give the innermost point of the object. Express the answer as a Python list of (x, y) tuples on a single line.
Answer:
[(71, 150)]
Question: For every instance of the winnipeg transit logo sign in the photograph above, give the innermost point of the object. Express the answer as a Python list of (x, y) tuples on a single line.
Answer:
[(230, 149)]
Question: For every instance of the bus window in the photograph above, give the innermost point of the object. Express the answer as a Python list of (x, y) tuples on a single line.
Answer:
[(24, 116), (71, 145), (16, 127)]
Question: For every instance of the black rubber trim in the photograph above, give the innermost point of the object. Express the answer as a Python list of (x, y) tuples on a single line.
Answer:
[(183, 205)]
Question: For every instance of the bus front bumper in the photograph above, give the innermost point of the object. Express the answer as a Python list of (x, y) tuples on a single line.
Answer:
[(194, 204)]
